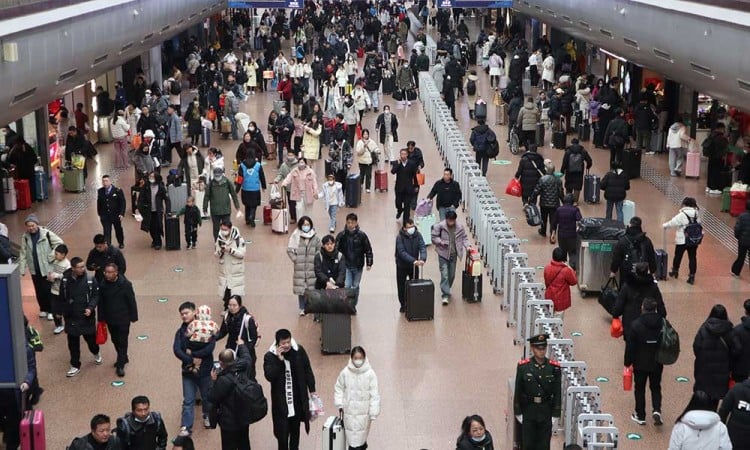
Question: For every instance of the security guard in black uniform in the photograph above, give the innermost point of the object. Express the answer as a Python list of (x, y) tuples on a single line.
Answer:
[(537, 397), (110, 206)]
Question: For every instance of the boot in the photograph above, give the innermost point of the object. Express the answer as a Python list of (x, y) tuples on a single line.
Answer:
[(471, 114), (673, 273), (691, 278)]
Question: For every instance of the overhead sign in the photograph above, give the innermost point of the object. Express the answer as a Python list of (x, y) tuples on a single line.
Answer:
[(292, 4), (476, 4)]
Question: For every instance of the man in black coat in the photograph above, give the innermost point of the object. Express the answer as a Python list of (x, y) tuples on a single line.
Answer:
[(354, 244), (735, 413), (632, 294), (631, 249), (235, 433), (80, 295), (641, 347), (118, 308), (742, 234), (387, 126), (448, 193), (616, 136), (741, 365), (644, 121), (406, 187), (141, 428), (615, 185), (529, 172), (103, 254), (110, 207), (285, 362)]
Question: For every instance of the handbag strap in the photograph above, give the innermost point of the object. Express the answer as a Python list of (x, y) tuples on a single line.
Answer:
[(536, 167)]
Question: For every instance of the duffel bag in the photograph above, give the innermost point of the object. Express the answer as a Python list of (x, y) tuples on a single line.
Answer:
[(330, 301)]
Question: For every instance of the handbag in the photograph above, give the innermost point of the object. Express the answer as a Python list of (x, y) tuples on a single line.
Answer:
[(608, 295), (238, 179), (398, 95), (615, 330), (411, 94), (420, 179), (513, 188), (329, 301), (136, 141), (101, 333)]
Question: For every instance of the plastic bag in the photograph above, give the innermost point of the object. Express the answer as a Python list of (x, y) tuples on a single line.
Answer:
[(316, 407), (101, 333), (78, 161), (600, 228), (627, 378), (275, 192), (424, 208), (513, 188), (615, 330)]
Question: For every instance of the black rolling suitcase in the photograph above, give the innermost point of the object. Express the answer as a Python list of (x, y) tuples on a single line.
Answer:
[(591, 188), (328, 168), (172, 233), (584, 131), (353, 190), (389, 85), (471, 287), (336, 333), (559, 137), (480, 111), (631, 162), (420, 298), (539, 137), (598, 138)]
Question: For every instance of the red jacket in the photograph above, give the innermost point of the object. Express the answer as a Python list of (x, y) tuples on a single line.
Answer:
[(558, 278), (285, 89)]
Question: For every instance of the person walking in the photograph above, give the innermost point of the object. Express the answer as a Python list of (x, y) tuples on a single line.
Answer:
[(332, 193), (303, 245), (387, 127), (742, 234), (741, 365), (230, 249), (141, 428), (303, 187), (354, 244), (451, 242), (527, 119), (714, 347), (220, 195), (575, 163), (36, 255), (80, 293), (368, 155), (253, 180), (411, 254), (734, 412), (566, 219), (715, 149), (231, 413), (616, 136), (529, 172), (481, 139), (357, 397), (118, 309), (238, 323), (120, 129), (287, 368), (615, 185), (110, 207), (558, 278), (100, 438), (549, 191), (173, 128), (153, 202), (641, 347), (448, 193), (699, 427), (637, 287), (685, 217), (678, 140), (406, 187), (103, 254)]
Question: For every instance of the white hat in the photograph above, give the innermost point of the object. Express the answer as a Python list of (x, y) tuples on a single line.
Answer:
[(149, 133)]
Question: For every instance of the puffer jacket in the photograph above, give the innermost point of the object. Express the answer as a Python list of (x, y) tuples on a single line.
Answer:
[(438, 72), (364, 151), (45, 250), (678, 136), (466, 443), (680, 221), (356, 247), (642, 343), (630, 298), (714, 348), (583, 97), (615, 185), (356, 392), (735, 414), (223, 393), (741, 366), (700, 430), (409, 248), (528, 117), (549, 189), (311, 141), (558, 278), (329, 266), (301, 250), (742, 229), (78, 295), (530, 170), (231, 262)]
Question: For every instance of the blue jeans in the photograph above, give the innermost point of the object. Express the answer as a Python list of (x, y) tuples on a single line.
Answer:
[(234, 126), (353, 277), (447, 275), (442, 211), (190, 386), (332, 216), (301, 302), (618, 207)]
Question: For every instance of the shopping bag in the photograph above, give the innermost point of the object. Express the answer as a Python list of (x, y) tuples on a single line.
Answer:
[(101, 333), (424, 208), (275, 192), (359, 131), (627, 378), (420, 179), (513, 188), (136, 141), (316, 407), (78, 161), (615, 330)]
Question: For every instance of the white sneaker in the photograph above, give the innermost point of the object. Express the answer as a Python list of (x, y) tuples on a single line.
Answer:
[(331, 230), (98, 359), (707, 190), (368, 191), (714, 192), (42, 314), (50, 317), (301, 312), (408, 103), (73, 371), (446, 300), (58, 329)]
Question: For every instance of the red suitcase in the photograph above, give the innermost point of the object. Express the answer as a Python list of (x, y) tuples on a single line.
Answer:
[(267, 215), (693, 165), (32, 431), (737, 202), (381, 180), (23, 193)]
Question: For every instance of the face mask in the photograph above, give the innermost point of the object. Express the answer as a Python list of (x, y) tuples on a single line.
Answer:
[(386, 111), (358, 362), (152, 180), (282, 113), (330, 182), (224, 233), (410, 231), (479, 439), (251, 129), (291, 160), (306, 228)]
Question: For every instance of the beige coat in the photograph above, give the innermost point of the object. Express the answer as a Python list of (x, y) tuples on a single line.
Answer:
[(231, 263), (364, 151), (311, 142)]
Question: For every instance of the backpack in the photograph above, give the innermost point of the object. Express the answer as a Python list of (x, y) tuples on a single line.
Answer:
[(249, 394), (693, 232), (480, 141), (575, 162), (633, 255), (669, 344), (708, 146), (493, 147), (174, 87), (471, 87), (533, 216)]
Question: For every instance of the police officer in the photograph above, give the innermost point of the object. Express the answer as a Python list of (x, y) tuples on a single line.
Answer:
[(110, 207), (537, 396)]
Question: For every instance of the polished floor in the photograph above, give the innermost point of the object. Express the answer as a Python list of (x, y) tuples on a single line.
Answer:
[(431, 374)]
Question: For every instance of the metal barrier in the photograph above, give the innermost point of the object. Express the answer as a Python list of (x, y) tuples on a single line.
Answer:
[(431, 46), (507, 266)]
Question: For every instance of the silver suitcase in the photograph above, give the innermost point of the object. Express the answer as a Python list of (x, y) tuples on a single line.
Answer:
[(333, 435), (336, 333), (177, 197)]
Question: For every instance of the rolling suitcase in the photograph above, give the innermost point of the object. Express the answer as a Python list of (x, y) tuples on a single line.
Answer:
[(631, 163), (23, 193), (480, 111), (726, 200), (420, 298), (559, 137), (662, 259), (737, 202), (73, 180), (628, 211), (591, 188), (327, 168), (333, 434), (584, 131), (10, 202), (177, 197), (336, 333), (280, 220), (41, 191), (693, 165), (267, 215), (205, 137), (32, 430), (278, 104), (172, 233), (471, 287), (539, 137), (381, 180), (353, 195)]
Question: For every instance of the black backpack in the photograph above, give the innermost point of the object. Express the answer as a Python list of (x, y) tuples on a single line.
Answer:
[(492, 146), (693, 232), (669, 344), (633, 254), (249, 394), (575, 162), (174, 87), (471, 87)]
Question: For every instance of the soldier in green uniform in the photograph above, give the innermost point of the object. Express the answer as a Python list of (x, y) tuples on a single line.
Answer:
[(537, 397)]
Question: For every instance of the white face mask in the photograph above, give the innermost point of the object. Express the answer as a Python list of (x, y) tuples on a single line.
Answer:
[(411, 231), (358, 363), (330, 182), (152, 180), (224, 233)]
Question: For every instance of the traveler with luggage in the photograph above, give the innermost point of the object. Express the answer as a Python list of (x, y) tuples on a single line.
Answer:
[(641, 348), (688, 235), (230, 249), (356, 248), (633, 290), (615, 185), (451, 242), (303, 245), (303, 188), (715, 348), (36, 255), (474, 435), (411, 254), (357, 397), (191, 167), (287, 368), (151, 213), (471, 87), (448, 193), (101, 436), (742, 234), (406, 186), (288, 164), (529, 172), (330, 266), (484, 143), (645, 121), (699, 427), (142, 428), (220, 195), (558, 278), (632, 248), (332, 194), (528, 118), (566, 218), (549, 191), (715, 149), (368, 155), (575, 163), (80, 294), (678, 140), (387, 127), (253, 180), (616, 136)]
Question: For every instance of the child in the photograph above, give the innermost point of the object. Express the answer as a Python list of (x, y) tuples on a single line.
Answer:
[(200, 332), (334, 197), (192, 221), (212, 116), (200, 192), (59, 265)]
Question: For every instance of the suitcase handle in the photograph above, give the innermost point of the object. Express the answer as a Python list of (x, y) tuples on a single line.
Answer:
[(417, 272)]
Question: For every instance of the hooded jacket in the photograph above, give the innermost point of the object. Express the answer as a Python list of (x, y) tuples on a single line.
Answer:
[(530, 170), (303, 382), (636, 237), (642, 342), (558, 278), (231, 254), (741, 366), (700, 430), (714, 348), (301, 250), (356, 392), (630, 298), (528, 117), (78, 295), (735, 413), (409, 248), (575, 149), (678, 136)]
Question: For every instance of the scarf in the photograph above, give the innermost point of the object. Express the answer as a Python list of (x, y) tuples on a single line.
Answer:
[(289, 388)]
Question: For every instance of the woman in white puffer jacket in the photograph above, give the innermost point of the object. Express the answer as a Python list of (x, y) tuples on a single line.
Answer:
[(356, 395), (687, 214), (699, 427)]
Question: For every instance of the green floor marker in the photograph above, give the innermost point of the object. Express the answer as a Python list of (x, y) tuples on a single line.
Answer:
[(634, 436), (524, 240), (682, 379), (142, 337), (117, 383), (576, 334), (602, 380), (501, 162), (179, 269), (512, 218), (162, 300), (538, 267)]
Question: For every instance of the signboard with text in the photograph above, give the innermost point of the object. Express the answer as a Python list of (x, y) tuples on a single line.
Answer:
[(493, 4), (291, 4)]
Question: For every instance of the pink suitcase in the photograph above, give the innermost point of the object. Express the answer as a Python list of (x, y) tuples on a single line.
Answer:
[(32, 431), (693, 165)]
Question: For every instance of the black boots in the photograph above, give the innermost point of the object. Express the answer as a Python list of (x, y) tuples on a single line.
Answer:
[(691, 278)]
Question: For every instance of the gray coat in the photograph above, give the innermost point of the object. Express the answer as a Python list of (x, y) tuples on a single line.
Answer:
[(438, 72), (174, 132), (528, 117), (45, 249), (302, 253)]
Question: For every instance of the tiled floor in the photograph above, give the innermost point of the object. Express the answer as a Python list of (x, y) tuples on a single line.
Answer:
[(432, 374)]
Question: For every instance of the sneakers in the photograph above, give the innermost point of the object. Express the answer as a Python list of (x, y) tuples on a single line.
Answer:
[(634, 418), (714, 191), (301, 312), (98, 359), (120, 371), (657, 418), (331, 230), (650, 153), (58, 329), (184, 432), (735, 275), (42, 314), (50, 317), (367, 190), (73, 371), (408, 103), (206, 422), (707, 190), (446, 300)]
